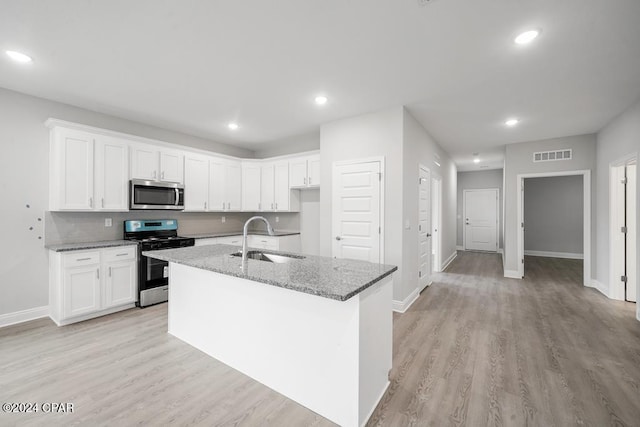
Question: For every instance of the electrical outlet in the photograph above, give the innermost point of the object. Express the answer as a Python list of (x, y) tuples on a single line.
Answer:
[(108, 222), (224, 220), (277, 219)]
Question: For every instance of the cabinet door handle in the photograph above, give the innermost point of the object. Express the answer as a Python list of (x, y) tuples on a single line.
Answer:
[(276, 205), (102, 201), (305, 181), (338, 238), (122, 254), (83, 259), (309, 180), (259, 206), (155, 174), (109, 271), (205, 205), (98, 273), (162, 175), (222, 205), (271, 206), (229, 205), (90, 202)]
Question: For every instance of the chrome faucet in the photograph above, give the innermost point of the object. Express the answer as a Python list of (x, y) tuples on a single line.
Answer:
[(244, 238)]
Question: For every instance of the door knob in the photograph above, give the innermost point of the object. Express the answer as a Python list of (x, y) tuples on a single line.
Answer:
[(338, 238), (428, 234)]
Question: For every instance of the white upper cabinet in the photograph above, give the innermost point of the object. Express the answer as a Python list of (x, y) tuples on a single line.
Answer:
[(111, 174), (196, 183), (284, 200), (251, 173), (154, 163), (267, 194), (304, 172), (225, 185), (88, 172), (171, 166)]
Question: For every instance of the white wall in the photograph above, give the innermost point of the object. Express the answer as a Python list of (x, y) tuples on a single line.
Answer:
[(25, 163), (519, 160), (478, 180), (291, 145), (553, 214), (618, 139), (420, 148), (395, 135)]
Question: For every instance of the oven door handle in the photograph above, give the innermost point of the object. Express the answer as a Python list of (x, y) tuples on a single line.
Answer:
[(177, 196)]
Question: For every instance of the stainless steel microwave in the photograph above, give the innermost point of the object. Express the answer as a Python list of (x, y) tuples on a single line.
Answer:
[(156, 195)]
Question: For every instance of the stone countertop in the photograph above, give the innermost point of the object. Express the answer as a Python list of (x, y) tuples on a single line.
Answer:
[(66, 247), (337, 279), (238, 233)]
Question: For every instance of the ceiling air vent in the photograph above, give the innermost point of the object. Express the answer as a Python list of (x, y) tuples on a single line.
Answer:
[(552, 156)]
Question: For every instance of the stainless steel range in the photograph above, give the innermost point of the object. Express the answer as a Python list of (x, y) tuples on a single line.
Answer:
[(153, 274)]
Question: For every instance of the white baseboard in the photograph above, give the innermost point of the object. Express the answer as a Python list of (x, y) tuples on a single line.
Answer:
[(23, 316), (567, 255), (600, 287), (512, 274), (402, 306), (448, 261), (459, 248)]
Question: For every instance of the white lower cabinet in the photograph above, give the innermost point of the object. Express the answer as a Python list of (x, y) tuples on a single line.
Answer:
[(87, 284)]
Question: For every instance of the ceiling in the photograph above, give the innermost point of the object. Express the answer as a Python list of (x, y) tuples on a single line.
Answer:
[(194, 66)]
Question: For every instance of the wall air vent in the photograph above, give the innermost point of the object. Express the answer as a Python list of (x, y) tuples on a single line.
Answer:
[(552, 156)]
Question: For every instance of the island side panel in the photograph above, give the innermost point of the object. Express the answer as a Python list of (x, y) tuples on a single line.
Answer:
[(303, 346), (376, 345)]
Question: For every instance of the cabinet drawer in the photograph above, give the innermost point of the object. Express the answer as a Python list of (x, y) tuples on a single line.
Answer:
[(230, 240), (120, 254), (76, 259)]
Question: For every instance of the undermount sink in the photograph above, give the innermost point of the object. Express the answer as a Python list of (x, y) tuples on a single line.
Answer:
[(269, 257)]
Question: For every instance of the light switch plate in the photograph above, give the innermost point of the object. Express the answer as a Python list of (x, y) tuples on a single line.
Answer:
[(224, 220), (277, 219), (108, 222)]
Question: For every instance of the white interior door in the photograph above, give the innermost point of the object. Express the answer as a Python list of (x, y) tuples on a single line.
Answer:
[(632, 232), (424, 228), (617, 214), (356, 208), (481, 220)]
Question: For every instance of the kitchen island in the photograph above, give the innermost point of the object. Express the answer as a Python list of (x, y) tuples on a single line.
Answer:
[(317, 330)]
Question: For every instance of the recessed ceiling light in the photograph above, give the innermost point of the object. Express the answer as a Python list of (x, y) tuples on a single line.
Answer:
[(19, 56), (321, 100), (527, 37), (232, 126), (512, 122), (476, 160)]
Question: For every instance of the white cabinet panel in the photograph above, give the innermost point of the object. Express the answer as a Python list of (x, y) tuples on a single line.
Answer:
[(171, 166), (111, 174), (233, 185), (72, 164), (144, 162), (313, 171), (120, 283), (230, 240), (298, 172), (217, 187), (196, 183), (251, 187), (281, 187), (267, 196), (81, 289)]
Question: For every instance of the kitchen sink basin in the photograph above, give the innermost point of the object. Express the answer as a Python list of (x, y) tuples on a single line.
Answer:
[(269, 257)]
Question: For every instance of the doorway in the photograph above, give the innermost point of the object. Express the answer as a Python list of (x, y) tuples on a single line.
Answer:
[(480, 208), (424, 227), (623, 232), (436, 223), (357, 214), (586, 223)]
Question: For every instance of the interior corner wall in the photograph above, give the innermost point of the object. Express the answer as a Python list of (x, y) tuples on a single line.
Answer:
[(553, 215), (620, 138), (291, 145), (376, 134), (473, 180), (419, 148), (25, 163), (519, 160)]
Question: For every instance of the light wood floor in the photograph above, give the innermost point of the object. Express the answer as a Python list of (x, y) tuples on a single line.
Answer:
[(475, 349)]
